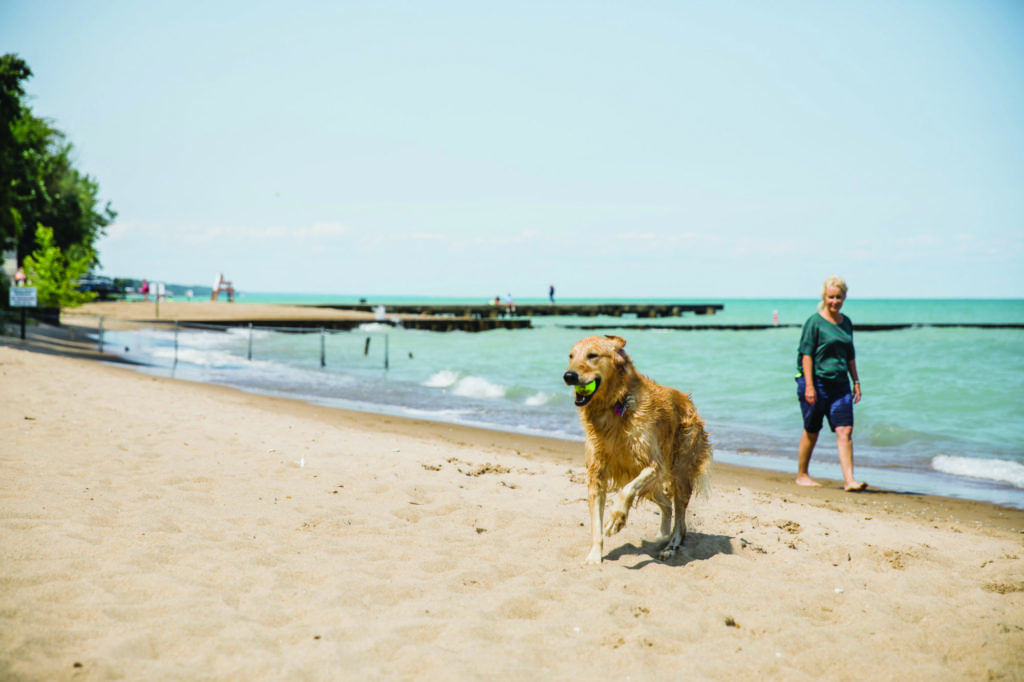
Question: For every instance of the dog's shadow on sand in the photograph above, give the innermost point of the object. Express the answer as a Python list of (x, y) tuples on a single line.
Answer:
[(697, 547)]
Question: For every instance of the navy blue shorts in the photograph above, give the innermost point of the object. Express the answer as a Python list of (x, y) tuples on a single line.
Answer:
[(834, 400)]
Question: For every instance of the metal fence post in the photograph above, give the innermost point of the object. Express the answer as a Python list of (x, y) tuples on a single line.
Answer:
[(386, 351), (323, 357), (100, 334), (175, 343), (250, 340)]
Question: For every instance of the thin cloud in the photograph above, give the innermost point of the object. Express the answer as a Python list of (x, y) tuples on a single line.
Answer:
[(126, 230)]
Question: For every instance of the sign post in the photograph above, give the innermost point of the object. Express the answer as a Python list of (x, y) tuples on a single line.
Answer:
[(23, 297)]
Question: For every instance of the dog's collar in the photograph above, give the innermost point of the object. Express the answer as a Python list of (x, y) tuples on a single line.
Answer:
[(621, 406)]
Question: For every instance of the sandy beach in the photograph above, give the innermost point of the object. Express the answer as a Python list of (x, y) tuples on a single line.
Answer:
[(123, 314), (155, 529)]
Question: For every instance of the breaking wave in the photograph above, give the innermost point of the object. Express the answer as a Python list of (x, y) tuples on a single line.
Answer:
[(1001, 470)]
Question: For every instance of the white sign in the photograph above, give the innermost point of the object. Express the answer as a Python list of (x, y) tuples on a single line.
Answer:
[(23, 297)]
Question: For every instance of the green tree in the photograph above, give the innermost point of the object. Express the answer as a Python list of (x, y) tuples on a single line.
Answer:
[(12, 72), (54, 273), (39, 183)]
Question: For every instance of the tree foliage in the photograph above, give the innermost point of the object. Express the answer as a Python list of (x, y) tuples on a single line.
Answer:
[(12, 72), (54, 273), (38, 181)]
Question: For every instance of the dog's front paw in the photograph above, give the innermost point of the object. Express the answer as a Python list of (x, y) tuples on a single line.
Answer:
[(615, 522), (593, 558)]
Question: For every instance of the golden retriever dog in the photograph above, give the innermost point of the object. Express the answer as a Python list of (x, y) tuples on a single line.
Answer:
[(643, 439)]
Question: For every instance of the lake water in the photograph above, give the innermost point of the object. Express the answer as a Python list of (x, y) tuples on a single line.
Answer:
[(942, 411)]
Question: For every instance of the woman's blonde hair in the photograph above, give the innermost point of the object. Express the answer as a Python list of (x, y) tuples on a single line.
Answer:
[(832, 281)]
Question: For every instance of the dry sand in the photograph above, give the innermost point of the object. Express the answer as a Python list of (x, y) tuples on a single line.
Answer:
[(154, 529), (118, 314)]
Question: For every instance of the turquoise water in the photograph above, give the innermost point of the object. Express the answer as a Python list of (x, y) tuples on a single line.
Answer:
[(737, 311), (941, 414)]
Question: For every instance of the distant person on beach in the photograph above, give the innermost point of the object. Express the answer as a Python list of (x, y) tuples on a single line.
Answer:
[(551, 293), (510, 305), (825, 364), (144, 290)]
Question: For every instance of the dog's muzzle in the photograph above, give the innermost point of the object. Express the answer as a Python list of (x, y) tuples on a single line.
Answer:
[(584, 390)]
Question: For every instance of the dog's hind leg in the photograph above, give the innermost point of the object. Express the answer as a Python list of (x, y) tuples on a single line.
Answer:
[(620, 511), (681, 497), (665, 505)]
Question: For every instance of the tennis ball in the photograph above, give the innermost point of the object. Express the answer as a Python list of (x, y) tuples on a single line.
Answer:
[(587, 389)]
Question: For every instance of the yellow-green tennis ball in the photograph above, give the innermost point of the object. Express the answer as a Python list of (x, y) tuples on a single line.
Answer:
[(587, 389)]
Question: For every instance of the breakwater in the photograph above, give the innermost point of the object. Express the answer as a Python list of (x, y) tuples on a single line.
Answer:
[(502, 310)]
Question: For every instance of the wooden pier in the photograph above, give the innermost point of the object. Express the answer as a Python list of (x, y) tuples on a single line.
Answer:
[(499, 311), (433, 324), (462, 317)]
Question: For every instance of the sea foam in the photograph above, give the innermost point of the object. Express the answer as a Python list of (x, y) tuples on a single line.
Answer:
[(1000, 470), (476, 387), (465, 386), (442, 379)]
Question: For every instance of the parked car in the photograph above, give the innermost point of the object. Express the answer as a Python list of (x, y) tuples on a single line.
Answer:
[(103, 286)]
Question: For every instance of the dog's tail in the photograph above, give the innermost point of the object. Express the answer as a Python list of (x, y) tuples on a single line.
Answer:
[(702, 485)]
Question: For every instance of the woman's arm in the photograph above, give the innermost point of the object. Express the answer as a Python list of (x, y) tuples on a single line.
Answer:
[(807, 365), (852, 364)]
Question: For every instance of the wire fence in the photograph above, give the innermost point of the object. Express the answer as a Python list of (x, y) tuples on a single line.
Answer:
[(338, 347), (252, 330)]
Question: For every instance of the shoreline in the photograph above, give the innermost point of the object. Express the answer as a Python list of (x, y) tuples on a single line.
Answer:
[(159, 528), (67, 341), (766, 451), (565, 451)]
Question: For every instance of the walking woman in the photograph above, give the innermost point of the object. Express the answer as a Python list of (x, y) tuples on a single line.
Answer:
[(826, 363)]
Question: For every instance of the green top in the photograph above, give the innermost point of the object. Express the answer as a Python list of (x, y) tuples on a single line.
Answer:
[(830, 346)]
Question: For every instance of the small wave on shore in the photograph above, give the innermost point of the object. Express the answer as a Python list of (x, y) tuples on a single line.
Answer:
[(467, 386), (539, 399), (1001, 470), (442, 379), (478, 387)]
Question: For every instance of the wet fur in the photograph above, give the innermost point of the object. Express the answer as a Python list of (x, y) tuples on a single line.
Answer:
[(656, 449)]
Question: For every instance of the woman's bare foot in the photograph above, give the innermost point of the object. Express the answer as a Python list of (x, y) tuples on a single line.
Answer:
[(804, 479), (855, 487)]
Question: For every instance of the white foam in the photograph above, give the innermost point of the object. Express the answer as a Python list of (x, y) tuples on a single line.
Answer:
[(246, 332), (475, 387), (195, 356), (454, 416), (442, 379), (538, 399), (1000, 470)]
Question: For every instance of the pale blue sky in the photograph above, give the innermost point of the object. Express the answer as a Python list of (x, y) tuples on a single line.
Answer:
[(643, 149)]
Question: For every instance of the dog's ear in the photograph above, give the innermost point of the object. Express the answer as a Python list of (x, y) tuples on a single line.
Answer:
[(617, 341)]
